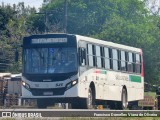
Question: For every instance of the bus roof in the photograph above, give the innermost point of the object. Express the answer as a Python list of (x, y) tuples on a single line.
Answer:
[(107, 43), (93, 40)]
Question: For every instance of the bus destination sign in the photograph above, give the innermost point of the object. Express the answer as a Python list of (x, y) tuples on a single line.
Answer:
[(49, 40)]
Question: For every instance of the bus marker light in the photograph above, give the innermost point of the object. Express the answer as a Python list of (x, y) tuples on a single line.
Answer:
[(69, 85)]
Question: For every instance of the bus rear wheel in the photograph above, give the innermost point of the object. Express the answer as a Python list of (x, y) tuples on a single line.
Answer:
[(124, 101)]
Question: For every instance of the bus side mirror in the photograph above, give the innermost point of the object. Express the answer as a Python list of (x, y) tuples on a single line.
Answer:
[(16, 56)]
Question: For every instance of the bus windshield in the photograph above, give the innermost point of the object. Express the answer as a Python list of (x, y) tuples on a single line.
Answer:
[(50, 60)]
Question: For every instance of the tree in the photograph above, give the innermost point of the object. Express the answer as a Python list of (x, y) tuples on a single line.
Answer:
[(127, 22), (12, 31)]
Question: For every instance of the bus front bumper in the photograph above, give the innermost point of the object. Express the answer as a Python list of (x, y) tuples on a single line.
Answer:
[(29, 94)]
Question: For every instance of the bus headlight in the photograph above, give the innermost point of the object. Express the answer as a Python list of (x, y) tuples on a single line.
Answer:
[(71, 84), (74, 82), (25, 85)]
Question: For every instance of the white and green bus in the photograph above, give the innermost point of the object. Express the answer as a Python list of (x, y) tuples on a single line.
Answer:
[(83, 71)]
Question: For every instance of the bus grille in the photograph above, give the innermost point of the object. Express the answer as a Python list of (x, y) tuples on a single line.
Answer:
[(55, 91)]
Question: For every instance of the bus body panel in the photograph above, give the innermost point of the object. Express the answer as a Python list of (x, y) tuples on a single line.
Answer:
[(108, 82)]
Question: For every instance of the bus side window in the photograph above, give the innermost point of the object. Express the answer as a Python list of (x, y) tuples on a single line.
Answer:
[(107, 61), (126, 59), (90, 55), (94, 55), (98, 57), (102, 56), (123, 61), (130, 62), (115, 59), (134, 60), (82, 55), (111, 58), (119, 59), (138, 63)]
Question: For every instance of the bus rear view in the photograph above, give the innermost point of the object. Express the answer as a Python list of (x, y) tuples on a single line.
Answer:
[(49, 68)]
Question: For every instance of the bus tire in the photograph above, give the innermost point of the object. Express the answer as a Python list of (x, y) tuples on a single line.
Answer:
[(124, 101), (85, 103), (90, 101)]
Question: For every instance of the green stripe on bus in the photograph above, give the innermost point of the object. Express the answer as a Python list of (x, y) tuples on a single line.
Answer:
[(133, 78), (103, 72)]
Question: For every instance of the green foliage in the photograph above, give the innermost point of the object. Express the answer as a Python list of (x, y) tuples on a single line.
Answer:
[(126, 22), (35, 24), (122, 21), (12, 31), (5, 14)]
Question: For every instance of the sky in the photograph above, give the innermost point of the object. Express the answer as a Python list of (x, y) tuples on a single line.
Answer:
[(35, 3), (38, 3)]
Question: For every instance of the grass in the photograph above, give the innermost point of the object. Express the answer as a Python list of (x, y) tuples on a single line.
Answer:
[(87, 118), (114, 118)]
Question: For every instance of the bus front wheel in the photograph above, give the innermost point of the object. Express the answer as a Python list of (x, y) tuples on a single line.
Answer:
[(90, 101), (85, 103)]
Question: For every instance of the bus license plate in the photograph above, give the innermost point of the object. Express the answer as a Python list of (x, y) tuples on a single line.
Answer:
[(48, 93)]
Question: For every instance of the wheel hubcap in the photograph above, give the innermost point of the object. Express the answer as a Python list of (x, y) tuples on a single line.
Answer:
[(89, 98), (124, 100)]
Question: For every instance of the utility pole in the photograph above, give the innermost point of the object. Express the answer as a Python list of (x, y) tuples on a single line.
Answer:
[(46, 20), (46, 13), (65, 16)]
